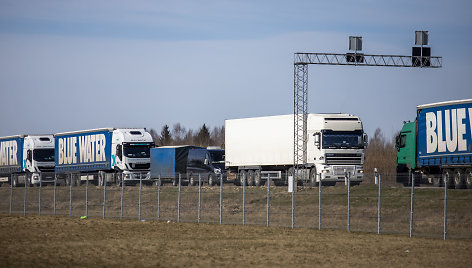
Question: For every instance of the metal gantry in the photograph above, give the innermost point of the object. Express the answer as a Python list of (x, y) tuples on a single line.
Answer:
[(300, 95)]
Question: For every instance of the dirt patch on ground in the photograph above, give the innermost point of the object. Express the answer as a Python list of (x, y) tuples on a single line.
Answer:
[(63, 241)]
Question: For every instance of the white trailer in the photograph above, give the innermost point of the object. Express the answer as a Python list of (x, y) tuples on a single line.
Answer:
[(256, 147)]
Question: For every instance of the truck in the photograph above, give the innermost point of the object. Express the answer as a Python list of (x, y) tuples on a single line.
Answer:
[(259, 147), (436, 148), (105, 155), (187, 163), (27, 159)]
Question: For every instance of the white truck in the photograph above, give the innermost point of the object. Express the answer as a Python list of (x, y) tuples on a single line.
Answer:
[(257, 147), (111, 155), (27, 159)]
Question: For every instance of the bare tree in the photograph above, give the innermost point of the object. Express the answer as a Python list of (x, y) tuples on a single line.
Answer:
[(381, 154), (179, 133)]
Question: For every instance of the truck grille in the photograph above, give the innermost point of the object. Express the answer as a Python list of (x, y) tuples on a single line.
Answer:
[(343, 159), (46, 169)]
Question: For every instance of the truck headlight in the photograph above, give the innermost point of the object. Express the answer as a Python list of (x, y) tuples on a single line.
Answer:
[(127, 176), (325, 171), (217, 171), (360, 171), (35, 177)]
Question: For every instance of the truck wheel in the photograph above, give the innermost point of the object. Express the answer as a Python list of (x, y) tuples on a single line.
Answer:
[(250, 178), (447, 178), (243, 177), (211, 180), (468, 179), (191, 180), (436, 181), (257, 178), (458, 179), (313, 177)]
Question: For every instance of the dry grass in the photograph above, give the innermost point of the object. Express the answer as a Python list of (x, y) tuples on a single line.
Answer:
[(61, 241)]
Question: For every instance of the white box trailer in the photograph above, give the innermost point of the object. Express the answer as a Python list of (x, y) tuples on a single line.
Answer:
[(259, 146)]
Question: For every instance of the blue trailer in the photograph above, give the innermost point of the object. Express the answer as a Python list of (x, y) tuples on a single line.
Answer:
[(437, 146)]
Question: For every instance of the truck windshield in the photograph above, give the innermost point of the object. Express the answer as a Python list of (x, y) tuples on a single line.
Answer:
[(342, 140), (43, 155), (137, 151)]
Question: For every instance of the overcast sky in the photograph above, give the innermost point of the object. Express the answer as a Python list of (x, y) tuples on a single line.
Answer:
[(72, 65)]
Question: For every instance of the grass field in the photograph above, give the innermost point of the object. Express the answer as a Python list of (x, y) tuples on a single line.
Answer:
[(45, 241)]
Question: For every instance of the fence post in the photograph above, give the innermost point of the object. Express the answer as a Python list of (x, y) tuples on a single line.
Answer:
[(268, 199), (39, 194), (199, 196), (86, 196), (319, 202), (55, 186), (140, 193), (70, 196), (24, 198), (11, 193), (159, 197), (221, 198), (178, 201), (122, 194), (445, 205), (379, 212), (104, 194), (244, 199), (412, 202), (294, 188), (349, 202)]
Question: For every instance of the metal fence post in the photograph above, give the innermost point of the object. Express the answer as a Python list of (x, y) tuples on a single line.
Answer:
[(412, 202), (55, 198), (221, 198), (159, 197), (140, 193), (70, 196), (244, 199), (178, 201), (199, 197), (319, 202), (294, 188), (39, 194), (86, 196), (268, 199), (24, 198), (445, 205), (104, 194), (349, 202), (379, 212), (122, 195), (11, 193)]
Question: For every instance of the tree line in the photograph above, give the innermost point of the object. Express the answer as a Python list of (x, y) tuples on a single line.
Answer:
[(179, 135)]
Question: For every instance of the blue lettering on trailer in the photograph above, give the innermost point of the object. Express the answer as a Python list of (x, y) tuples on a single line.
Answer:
[(11, 155), (445, 135), (83, 152)]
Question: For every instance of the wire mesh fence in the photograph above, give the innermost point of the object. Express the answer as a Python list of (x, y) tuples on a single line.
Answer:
[(388, 208)]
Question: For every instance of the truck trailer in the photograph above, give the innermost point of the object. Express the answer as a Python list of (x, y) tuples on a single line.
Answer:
[(259, 147), (27, 159), (106, 155), (437, 145), (169, 163)]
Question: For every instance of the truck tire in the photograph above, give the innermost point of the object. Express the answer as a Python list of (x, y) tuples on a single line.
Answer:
[(191, 180), (458, 179), (468, 178), (211, 180), (257, 178), (313, 177), (447, 178), (436, 181), (250, 178), (243, 177)]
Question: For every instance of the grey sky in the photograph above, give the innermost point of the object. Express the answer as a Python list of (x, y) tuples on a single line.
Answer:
[(70, 65)]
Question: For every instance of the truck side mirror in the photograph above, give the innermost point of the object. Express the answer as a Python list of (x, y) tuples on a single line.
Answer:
[(119, 152), (206, 162), (366, 140), (317, 137), (29, 156)]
